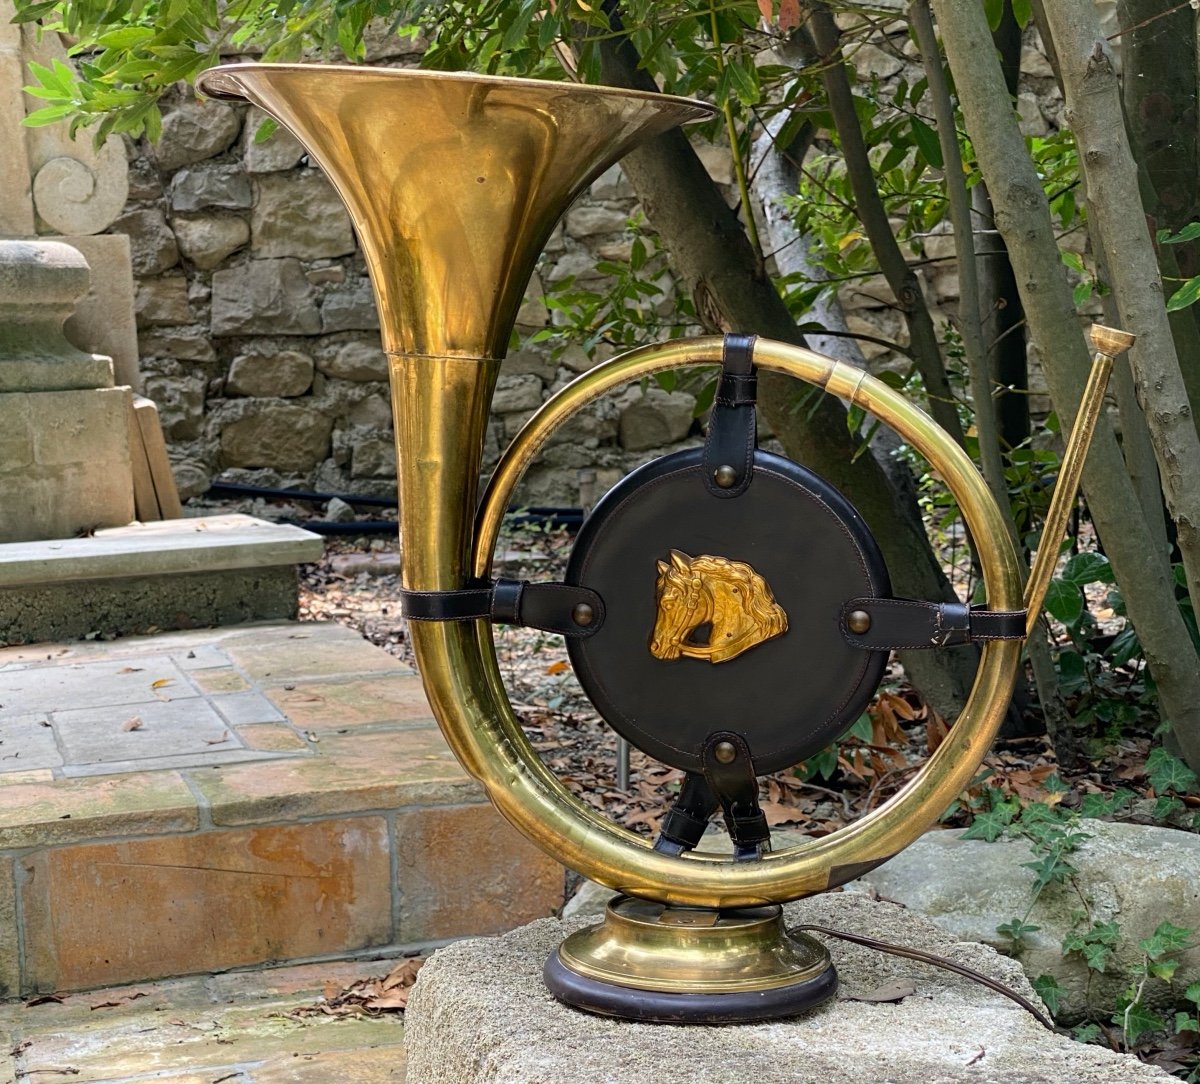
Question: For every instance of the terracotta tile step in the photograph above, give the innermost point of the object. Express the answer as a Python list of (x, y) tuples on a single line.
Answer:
[(285, 795)]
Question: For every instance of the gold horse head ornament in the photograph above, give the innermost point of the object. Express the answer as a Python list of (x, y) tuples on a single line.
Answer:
[(727, 597)]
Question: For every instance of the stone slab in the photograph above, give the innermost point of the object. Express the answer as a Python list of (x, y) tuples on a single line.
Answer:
[(480, 1012), (177, 1035), (165, 548), (66, 464), (103, 321), (222, 899), (63, 811), (26, 741), (128, 606)]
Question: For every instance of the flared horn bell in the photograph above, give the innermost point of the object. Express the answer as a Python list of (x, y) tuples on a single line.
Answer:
[(454, 181)]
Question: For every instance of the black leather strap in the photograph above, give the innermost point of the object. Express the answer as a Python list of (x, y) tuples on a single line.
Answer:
[(552, 607), (684, 825), (732, 428), (886, 624), (735, 784)]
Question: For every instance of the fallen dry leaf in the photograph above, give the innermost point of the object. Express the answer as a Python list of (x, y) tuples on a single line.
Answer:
[(160, 683), (896, 990), (218, 741), (130, 670), (369, 997), (134, 722)]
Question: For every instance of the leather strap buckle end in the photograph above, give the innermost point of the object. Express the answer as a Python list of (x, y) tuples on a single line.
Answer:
[(901, 624), (552, 607)]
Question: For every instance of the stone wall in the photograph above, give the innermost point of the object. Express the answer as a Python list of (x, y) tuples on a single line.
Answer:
[(259, 339)]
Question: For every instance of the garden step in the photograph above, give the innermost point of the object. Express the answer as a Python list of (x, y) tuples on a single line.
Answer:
[(196, 801), (175, 573)]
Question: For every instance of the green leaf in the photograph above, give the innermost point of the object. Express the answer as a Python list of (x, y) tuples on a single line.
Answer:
[(1186, 295), (927, 142), (1049, 869), (1085, 568), (1168, 773), (989, 826), (126, 37), (1064, 601), (1186, 1022), (994, 9), (1138, 1019), (1022, 12), (1016, 929), (1189, 233), (49, 114), (1192, 993), (1167, 938), (1048, 989)]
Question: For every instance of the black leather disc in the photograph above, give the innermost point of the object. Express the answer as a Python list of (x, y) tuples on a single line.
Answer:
[(790, 694)]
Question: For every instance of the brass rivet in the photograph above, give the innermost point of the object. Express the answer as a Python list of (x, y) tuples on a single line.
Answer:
[(858, 621), (583, 614), (725, 476), (725, 752)]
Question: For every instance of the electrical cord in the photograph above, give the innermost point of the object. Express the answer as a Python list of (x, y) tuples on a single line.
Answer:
[(936, 961)]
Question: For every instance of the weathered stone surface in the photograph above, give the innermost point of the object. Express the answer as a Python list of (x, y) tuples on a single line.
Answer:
[(350, 310), (183, 344), (530, 360), (285, 374), (1136, 875), (152, 246), (533, 311), (658, 417), (196, 131), (356, 361), (299, 214), (281, 150), (264, 297), (222, 899), (326, 276), (587, 220), (206, 240), (207, 186), (104, 321), (40, 282), (612, 184), (372, 411), (83, 190), (180, 401), (373, 458), (70, 468), (279, 435), (163, 302), (517, 393), (480, 1012)]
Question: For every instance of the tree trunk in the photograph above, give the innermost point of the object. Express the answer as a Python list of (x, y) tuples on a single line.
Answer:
[(1110, 172), (1023, 217), (872, 213), (709, 249)]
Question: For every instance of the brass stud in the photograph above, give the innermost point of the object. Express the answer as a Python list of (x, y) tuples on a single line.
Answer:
[(583, 614), (725, 752), (725, 476), (858, 621)]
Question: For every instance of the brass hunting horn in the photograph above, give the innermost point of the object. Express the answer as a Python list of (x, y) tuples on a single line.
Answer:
[(725, 609)]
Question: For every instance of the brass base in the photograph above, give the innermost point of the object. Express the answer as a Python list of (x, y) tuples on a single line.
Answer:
[(654, 963)]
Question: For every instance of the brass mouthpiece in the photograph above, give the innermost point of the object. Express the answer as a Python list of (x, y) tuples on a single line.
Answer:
[(1108, 343)]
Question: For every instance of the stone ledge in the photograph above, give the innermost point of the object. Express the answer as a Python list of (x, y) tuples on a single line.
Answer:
[(166, 548), (479, 1012)]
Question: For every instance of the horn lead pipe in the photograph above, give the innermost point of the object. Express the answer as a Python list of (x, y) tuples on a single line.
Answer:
[(1108, 343)]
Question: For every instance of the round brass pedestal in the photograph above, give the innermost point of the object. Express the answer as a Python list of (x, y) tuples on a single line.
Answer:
[(650, 962)]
